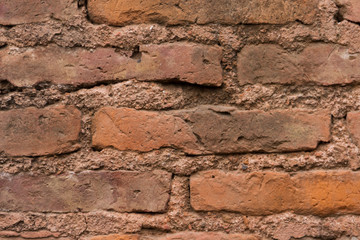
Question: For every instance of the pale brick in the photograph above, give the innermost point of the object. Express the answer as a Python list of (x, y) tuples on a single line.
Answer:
[(121, 191), (322, 64)]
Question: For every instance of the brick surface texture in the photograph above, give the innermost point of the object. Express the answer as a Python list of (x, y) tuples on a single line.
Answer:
[(190, 63), (179, 119), (350, 9), (210, 130), (122, 12), (262, 193), (322, 64), (90, 191), (34, 132)]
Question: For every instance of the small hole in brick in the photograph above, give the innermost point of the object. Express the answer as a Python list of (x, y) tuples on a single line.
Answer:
[(136, 54), (338, 15)]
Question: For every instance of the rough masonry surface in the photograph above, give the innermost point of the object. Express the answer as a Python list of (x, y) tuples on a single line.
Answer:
[(262, 193), (184, 62), (210, 129), (322, 64), (121, 191), (122, 12), (36, 132)]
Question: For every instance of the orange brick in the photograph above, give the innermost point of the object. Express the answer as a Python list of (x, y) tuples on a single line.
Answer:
[(320, 193)]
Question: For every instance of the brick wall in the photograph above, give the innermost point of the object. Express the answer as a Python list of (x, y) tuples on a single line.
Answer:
[(188, 119)]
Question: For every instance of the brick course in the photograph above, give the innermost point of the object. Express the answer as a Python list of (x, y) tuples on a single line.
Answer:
[(36, 132), (322, 64), (121, 12), (210, 129), (184, 62), (320, 193), (121, 191)]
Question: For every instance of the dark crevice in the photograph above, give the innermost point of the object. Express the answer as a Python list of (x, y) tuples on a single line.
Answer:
[(6, 87), (136, 54), (3, 45), (339, 13), (81, 3), (357, 23)]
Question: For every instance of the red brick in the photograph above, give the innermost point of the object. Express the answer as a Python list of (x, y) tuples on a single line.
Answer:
[(120, 191), (210, 130), (14, 12), (322, 64), (206, 236), (228, 130), (185, 62), (35, 132), (350, 9), (129, 129), (122, 12), (353, 124), (262, 193)]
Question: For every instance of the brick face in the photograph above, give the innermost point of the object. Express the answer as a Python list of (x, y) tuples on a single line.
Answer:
[(349, 9), (209, 129), (185, 62), (128, 129), (322, 64), (353, 125), (122, 12), (114, 237), (206, 236), (120, 191), (35, 132), (14, 12), (261, 193)]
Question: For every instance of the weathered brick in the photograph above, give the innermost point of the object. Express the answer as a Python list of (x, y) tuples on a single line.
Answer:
[(206, 236), (228, 130), (14, 12), (38, 234), (185, 62), (120, 191), (210, 130), (114, 237), (353, 125), (323, 64), (349, 9), (129, 129), (35, 132), (9, 234), (261, 193), (122, 12)]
